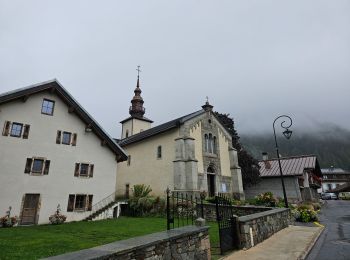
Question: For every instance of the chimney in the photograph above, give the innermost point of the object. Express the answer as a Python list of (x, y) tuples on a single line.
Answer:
[(265, 156), (266, 162)]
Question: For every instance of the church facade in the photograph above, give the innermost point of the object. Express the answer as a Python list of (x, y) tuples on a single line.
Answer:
[(192, 153)]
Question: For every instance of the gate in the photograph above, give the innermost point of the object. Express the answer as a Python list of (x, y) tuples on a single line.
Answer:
[(228, 224), (183, 209)]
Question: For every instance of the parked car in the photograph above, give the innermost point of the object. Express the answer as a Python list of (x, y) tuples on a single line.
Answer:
[(326, 196), (333, 196)]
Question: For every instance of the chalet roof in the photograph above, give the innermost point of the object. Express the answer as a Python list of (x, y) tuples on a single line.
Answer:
[(56, 87), (159, 129), (334, 171), (291, 166), (342, 188)]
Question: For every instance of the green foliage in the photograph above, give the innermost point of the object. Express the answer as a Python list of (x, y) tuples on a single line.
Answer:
[(249, 165), (266, 199), (305, 212), (331, 145), (143, 204)]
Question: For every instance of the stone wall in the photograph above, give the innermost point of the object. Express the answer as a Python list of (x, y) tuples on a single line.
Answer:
[(257, 227), (188, 242), (209, 211), (274, 185)]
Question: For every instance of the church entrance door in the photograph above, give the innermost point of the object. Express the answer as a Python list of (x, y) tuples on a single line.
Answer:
[(211, 185)]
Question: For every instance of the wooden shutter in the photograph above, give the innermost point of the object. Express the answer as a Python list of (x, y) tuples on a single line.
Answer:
[(71, 199), (58, 137), (74, 139), (28, 167), (76, 171), (89, 202), (91, 170), (6, 130), (47, 166), (26, 131)]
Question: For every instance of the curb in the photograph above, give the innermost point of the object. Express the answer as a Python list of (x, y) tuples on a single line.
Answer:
[(311, 244)]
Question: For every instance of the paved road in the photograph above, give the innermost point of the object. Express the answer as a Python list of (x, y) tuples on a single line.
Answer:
[(334, 243)]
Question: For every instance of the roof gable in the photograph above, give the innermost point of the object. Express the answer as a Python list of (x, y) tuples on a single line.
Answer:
[(74, 106)]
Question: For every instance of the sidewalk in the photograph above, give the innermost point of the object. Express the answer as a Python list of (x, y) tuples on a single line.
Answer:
[(290, 243)]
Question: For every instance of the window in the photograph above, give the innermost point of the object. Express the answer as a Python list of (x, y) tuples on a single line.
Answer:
[(127, 134), (79, 202), (16, 129), (66, 138), (129, 160), (210, 145), (84, 170), (47, 107), (37, 166), (159, 152)]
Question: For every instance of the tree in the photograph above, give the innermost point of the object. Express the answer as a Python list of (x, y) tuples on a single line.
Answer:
[(249, 165)]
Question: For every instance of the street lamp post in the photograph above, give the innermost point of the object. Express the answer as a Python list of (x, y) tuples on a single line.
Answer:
[(287, 133)]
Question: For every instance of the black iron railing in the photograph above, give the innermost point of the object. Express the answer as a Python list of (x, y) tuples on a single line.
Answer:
[(183, 208)]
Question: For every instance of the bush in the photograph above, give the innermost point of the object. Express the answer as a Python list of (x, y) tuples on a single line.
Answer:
[(57, 218), (266, 199), (7, 220), (305, 213)]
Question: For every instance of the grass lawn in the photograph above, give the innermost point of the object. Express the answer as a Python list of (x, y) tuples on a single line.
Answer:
[(47, 240)]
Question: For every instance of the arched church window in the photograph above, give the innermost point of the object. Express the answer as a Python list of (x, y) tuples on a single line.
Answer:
[(214, 145), (159, 152), (210, 150), (206, 142)]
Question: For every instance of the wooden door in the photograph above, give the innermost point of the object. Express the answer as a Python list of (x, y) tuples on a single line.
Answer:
[(211, 185), (30, 209)]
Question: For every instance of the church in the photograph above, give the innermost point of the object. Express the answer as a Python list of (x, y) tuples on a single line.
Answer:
[(191, 154)]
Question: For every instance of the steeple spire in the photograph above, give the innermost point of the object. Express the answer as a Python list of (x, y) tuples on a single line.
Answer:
[(137, 109)]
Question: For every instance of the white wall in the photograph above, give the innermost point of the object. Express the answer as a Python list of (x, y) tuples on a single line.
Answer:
[(55, 187)]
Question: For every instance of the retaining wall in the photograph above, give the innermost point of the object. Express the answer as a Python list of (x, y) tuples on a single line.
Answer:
[(190, 242)]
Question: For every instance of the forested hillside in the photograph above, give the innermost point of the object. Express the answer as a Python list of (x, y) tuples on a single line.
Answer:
[(331, 145)]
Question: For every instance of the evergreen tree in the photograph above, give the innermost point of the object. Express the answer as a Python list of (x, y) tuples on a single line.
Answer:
[(249, 165)]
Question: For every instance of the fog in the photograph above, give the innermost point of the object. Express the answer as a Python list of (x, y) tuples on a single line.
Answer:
[(254, 59)]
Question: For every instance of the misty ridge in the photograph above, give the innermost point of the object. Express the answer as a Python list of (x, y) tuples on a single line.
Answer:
[(330, 143)]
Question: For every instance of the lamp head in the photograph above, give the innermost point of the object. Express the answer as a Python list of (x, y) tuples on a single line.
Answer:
[(287, 133)]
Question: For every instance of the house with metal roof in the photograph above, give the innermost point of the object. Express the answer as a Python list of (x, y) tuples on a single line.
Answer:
[(334, 178), (53, 154), (301, 174), (192, 153)]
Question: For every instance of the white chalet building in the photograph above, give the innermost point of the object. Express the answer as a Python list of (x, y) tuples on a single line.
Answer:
[(52, 152)]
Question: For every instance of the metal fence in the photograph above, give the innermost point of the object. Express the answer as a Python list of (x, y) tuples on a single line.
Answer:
[(183, 208)]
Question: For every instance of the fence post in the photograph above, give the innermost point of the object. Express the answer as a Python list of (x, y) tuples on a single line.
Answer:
[(202, 197), (168, 208), (235, 231)]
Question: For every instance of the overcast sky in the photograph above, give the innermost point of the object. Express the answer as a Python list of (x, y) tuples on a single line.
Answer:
[(254, 59)]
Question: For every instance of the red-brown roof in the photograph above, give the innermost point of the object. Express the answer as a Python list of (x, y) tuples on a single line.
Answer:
[(291, 166)]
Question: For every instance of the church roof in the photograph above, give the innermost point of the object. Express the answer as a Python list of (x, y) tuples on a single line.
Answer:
[(143, 118), (57, 88), (159, 129)]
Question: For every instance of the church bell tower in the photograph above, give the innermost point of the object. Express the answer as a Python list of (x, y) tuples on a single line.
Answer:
[(136, 123)]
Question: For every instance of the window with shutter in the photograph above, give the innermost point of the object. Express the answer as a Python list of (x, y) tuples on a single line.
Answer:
[(74, 139), (6, 130), (89, 208), (58, 137), (26, 131), (66, 138), (28, 166), (47, 166), (84, 170), (71, 201), (38, 165), (76, 171), (80, 202), (16, 129), (91, 172)]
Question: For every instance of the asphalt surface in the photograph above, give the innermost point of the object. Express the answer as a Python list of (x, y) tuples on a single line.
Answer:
[(334, 243)]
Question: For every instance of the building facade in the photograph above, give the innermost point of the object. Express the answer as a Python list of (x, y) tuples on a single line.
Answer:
[(301, 174), (192, 153), (53, 153), (334, 178)]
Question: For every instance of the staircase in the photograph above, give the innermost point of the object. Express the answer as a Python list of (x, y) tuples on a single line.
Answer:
[(103, 205)]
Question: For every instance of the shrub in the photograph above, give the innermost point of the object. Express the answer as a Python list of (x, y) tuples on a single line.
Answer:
[(7, 220), (305, 213), (266, 199), (57, 218)]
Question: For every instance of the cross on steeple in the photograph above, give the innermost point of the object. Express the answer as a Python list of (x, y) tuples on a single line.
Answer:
[(207, 99), (138, 71)]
